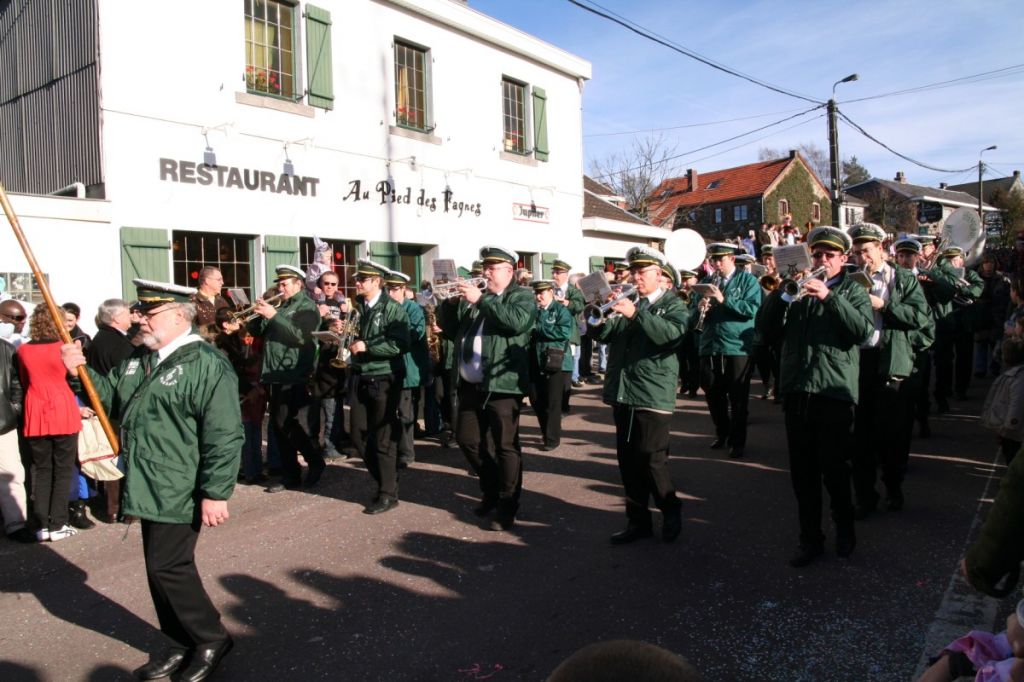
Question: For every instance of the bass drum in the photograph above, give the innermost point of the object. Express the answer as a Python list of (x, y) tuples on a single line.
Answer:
[(963, 228), (685, 249)]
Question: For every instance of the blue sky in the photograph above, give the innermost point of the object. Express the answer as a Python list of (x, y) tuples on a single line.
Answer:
[(803, 47)]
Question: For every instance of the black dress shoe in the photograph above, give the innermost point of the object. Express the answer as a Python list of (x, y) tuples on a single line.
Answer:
[(382, 504), (316, 470), (894, 502), (735, 452), (671, 525), (486, 506), (718, 443), (864, 510), (942, 405), (845, 542), (501, 522), (631, 534), (805, 554), (161, 666), (924, 430), (205, 660)]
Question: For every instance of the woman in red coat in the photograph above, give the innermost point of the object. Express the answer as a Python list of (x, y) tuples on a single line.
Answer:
[(51, 425)]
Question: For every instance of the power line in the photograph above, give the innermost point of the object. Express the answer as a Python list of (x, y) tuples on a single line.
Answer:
[(758, 139), (645, 33), (986, 75), (714, 144), (893, 151), (691, 125)]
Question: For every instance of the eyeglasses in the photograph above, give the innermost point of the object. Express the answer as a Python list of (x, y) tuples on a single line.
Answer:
[(827, 255), (16, 318), (149, 315), (330, 284)]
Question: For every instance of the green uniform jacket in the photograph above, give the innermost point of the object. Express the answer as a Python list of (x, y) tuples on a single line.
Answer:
[(553, 329), (999, 549), (821, 340), (181, 430), (574, 303), (949, 316), (908, 327), (385, 330), (288, 349), (417, 360), (508, 323), (729, 326), (642, 364)]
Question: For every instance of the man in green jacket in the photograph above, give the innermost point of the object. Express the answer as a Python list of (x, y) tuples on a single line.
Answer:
[(726, 343), (378, 371), (551, 335), (491, 330), (416, 364), (288, 356), (181, 437), (641, 388), (572, 298), (821, 329), (903, 327)]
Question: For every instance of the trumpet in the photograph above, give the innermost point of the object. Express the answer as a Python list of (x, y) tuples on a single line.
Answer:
[(793, 289), (599, 314), (246, 315), (349, 332), (769, 282), (446, 290)]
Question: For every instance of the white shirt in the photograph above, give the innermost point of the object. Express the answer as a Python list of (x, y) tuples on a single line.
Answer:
[(881, 286), (183, 340)]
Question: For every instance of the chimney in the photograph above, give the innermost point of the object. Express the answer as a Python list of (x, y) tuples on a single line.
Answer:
[(691, 179), (901, 178), (943, 185), (792, 153)]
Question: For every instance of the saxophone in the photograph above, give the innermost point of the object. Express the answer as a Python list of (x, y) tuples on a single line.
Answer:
[(433, 342)]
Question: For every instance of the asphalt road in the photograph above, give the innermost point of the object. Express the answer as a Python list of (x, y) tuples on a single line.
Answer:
[(313, 589)]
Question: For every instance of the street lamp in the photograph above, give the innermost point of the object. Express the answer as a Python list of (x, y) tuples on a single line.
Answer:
[(981, 168), (833, 148)]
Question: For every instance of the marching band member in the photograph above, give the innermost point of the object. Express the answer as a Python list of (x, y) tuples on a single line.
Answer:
[(491, 330), (640, 387), (572, 298), (952, 293), (822, 329), (417, 365), (908, 257), (883, 418), (726, 342), (552, 334), (288, 356), (929, 250), (689, 358), (377, 374)]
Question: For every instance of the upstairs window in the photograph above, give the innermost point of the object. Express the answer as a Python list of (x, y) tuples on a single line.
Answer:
[(270, 40), (718, 215), (513, 100), (739, 213), (411, 87)]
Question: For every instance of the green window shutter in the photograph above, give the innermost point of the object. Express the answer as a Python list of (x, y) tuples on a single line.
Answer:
[(540, 124), (546, 261), (279, 250), (386, 253), (318, 58), (145, 253), (597, 263)]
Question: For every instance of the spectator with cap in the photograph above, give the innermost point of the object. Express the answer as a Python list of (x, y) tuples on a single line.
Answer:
[(550, 361), (288, 355), (416, 363), (491, 331), (378, 370), (641, 388), (821, 329)]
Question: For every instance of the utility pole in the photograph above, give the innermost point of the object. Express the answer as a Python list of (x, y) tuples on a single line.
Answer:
[(981, 170), (833, 150)]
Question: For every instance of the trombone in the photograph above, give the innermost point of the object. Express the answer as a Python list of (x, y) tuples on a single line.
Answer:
[(246, 315), (599, 314)]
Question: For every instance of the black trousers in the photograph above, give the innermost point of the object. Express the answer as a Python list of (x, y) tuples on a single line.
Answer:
[(586, 356), (689, 363), (546, 398), (289, 407), (186, 614), (882, 420), (726, 383), (53, 466), (404, 436), (375, 422), (954, 359), (443, 394), (765, 363), (641, 446), (487, 430), (923, 372), (816, 429)]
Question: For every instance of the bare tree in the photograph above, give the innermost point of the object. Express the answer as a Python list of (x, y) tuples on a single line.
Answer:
[(815, 156), (890, 210), (636, 172)]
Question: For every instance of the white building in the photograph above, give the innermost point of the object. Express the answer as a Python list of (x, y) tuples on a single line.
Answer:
[(403, 130)]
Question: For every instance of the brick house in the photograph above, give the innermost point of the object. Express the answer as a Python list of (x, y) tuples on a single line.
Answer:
[(725, 203)]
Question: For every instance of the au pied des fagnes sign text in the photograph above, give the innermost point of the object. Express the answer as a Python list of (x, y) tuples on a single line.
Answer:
[(385, 192)]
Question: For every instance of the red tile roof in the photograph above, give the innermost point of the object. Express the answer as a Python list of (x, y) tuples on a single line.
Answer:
[(733, 183), (598, 188)]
